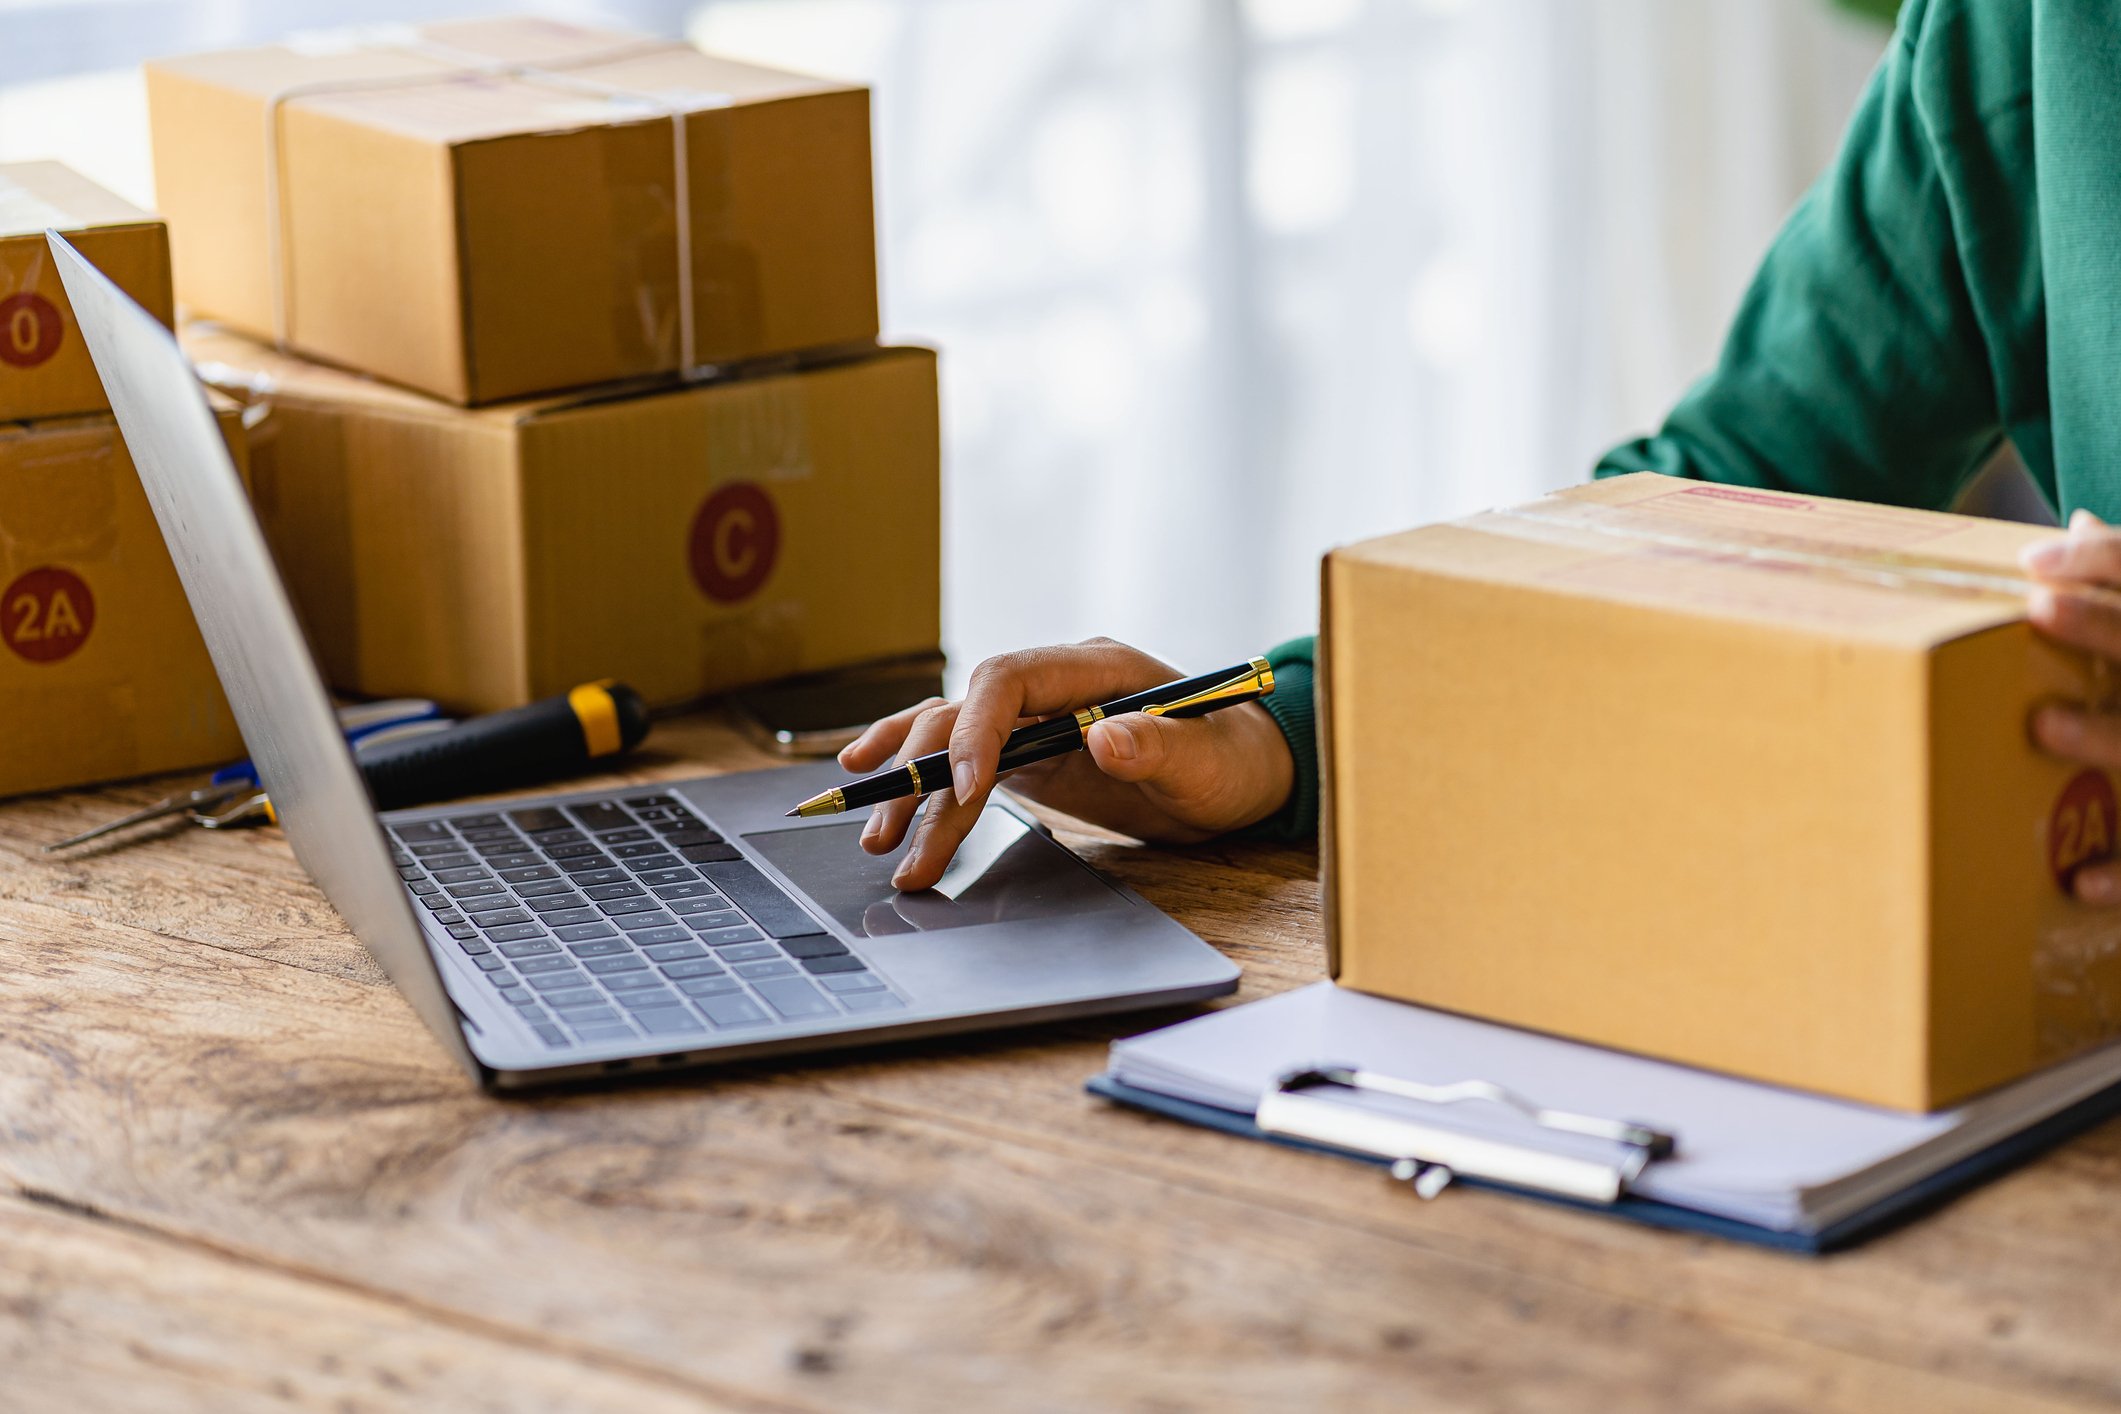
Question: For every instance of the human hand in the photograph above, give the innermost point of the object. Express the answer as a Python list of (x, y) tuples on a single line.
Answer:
[(2076, 601), (1167, 779)]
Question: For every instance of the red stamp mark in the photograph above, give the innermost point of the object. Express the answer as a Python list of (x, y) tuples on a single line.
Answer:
[(736, 537), (46, 614), (1748, 498), (2081, 830), (30, 329)]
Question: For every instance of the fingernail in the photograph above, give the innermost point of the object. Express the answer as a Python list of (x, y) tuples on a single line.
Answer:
[(2040, 604), (966, 780), (2098, 886), (2083, 519), (902, 874), (1119, 742), (2045, 556), (876, 823)]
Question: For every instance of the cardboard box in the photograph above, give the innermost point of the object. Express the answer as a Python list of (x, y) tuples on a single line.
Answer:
[(490, 209), (1723, 776), (103, 674), (684, 541), (45, 370)]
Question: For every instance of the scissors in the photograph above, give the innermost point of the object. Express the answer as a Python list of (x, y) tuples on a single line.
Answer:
[(231, 795)]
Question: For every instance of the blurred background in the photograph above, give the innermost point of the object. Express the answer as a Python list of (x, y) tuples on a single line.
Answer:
[(1218, 283)]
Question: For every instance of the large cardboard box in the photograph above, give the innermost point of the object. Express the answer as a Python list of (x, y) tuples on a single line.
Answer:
[(683, 541), (1729, 777), (45, 370), (103, 674), (491, 209)]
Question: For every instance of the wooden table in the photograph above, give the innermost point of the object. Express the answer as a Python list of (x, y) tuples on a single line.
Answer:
[(238, 1173)]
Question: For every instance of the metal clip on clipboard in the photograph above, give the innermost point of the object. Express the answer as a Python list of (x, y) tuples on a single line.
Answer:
[(1429, 1157)]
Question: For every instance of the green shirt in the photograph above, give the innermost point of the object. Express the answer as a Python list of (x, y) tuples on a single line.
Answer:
[(1953, 279)]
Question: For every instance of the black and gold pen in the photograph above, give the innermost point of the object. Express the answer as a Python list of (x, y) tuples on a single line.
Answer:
[(1188, 697)]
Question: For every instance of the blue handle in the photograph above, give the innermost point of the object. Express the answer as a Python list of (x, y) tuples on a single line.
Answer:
[(360, 722)]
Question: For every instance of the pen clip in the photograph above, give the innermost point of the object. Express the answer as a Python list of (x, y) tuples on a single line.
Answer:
[(1258, 681), (1428, 1155)]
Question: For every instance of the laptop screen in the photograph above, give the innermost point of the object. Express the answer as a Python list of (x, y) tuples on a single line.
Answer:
[(250, 629)]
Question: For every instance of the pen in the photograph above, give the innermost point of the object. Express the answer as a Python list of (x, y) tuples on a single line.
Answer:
[(1188, 697)]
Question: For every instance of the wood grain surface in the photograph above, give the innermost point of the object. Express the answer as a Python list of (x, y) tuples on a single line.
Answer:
[(236, 1173)]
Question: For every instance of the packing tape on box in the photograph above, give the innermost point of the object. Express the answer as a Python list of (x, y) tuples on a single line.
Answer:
[(461, 64), (1889, 569), (23, 210)]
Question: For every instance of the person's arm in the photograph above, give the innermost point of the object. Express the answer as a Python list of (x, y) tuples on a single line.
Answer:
[(1856, 366), (1294, 708)]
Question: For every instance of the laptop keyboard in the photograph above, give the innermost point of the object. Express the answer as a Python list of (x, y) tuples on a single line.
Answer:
[(628, 918)]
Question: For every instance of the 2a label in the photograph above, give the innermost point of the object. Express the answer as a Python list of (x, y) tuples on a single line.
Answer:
[(47, 614), (2080, 831), (30, 329), (736, 538)]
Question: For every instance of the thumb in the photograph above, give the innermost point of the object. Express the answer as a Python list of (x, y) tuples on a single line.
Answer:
[(1172, 754)]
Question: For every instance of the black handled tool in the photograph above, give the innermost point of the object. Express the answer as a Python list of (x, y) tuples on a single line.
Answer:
[(559, 736), (923, 775), (419, 762)]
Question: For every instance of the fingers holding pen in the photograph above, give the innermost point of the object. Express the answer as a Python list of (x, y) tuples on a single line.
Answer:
[(1005, 690), (942, 827), (927, 729), (938, 822), (883, 736)]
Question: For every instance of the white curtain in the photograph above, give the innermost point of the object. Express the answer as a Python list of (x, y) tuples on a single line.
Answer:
[(1221, 283)]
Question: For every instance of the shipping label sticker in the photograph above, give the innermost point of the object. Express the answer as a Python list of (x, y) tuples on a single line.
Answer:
[(736, 538), (2080, 830), (47, 614), (30, 329)]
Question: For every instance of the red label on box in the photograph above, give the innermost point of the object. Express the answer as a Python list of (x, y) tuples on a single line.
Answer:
[(30, 328), (736, 537), (46, 614), (2081, 829), (1748, 498)]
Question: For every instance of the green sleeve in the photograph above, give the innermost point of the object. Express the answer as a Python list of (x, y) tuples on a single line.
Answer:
[(1856, 367), (1293, 706)]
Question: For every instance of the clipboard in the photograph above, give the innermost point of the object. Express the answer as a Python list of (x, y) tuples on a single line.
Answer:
[(1918, 1198)]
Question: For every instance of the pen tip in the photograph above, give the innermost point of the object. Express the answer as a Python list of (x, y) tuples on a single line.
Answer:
[(792, 814)]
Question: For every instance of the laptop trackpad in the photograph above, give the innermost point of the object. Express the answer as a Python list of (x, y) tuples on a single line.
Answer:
[(1004, 872)]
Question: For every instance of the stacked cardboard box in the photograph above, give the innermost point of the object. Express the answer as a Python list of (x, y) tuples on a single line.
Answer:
[(626, 294), (1730, 777), (682, 541), (102, 671), (501, 208)]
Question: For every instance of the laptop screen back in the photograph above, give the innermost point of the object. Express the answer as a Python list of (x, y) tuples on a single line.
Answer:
[(250, 629)]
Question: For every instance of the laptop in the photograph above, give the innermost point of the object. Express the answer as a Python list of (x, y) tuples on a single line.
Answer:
[(571, 936)]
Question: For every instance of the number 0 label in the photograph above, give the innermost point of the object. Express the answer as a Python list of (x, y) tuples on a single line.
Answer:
[(30, 329)]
